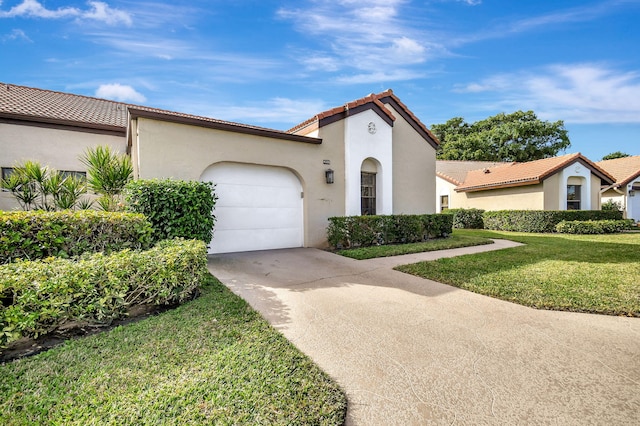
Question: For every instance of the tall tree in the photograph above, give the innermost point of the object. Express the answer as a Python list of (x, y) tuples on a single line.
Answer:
[(519, 136), (614, 155)]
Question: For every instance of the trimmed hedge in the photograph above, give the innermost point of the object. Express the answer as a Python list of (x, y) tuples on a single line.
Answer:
[(593, 226), (176, 208), (37, 297), (363, 231), (467, 218), (38, 234), (541, 220)]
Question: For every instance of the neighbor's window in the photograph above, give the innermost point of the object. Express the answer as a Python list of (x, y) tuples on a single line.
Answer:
[(367, 193), (573, 197), (444, 202), (77, 175)]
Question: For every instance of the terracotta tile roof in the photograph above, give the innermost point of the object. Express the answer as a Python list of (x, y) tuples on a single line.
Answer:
[(528, 173), (388, 94), (375, 100), (624, 170), (194, 120), (27, 103), (456, 171), (39, 105), (308, 125)]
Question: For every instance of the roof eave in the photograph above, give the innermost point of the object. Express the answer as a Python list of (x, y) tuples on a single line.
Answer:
[(61, 122), (226, 126), (487, 187)]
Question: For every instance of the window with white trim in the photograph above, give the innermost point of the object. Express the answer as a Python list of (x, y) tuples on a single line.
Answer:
[(444, 202), (573, 197), (367, 193)]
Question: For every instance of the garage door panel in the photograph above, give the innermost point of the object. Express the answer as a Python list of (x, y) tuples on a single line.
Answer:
[(252, 218), (237, 240), (258, 207), (248, 196)]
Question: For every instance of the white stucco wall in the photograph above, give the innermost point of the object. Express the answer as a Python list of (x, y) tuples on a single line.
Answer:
[(360, 144)]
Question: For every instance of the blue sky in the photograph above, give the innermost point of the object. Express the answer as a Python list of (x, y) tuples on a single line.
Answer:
[(276, 63)]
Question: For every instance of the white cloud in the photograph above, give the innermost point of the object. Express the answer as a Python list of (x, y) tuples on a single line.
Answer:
[(580, 93), (362, 35), (16, 34), (275, 110), (120, 92), (380, 77), (98, 11), (102, 12)]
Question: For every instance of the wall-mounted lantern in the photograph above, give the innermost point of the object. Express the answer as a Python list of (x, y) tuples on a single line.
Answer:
[(328, 175)]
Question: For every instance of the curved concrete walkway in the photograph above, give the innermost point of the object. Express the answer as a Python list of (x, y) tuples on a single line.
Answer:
[(409, 351)]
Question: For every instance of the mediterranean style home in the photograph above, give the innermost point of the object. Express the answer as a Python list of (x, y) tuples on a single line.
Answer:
[(626, 189), (560, 183), (275, 189)]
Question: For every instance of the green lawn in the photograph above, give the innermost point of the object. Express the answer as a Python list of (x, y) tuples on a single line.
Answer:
[(211, 361), (582, 273), (454, 241)]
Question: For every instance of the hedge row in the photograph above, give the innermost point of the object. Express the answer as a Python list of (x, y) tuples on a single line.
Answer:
[(37, 297), (37, 234), (467, 218), (541, 220), (175, 208), (363, 231), (594, 226)]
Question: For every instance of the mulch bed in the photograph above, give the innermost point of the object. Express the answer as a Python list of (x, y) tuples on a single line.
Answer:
[(28, 347)]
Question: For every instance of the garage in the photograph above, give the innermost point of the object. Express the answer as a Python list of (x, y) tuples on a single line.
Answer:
[(258, 208)]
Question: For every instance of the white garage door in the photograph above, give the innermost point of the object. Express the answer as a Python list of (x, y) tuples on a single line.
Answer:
[(258, 208)]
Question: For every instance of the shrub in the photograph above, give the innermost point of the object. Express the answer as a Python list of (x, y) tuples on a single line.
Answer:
[(38, 234), (467, 218), (38, 187), (541, 220), (37, 297), (612, 205), (363, 231), (593, 226), (176, 208), (107, 174)]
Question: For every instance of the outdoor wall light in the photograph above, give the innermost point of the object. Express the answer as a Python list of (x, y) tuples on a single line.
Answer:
[(328, 175)]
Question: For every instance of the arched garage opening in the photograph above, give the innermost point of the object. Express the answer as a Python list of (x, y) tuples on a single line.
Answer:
[(258, 208)]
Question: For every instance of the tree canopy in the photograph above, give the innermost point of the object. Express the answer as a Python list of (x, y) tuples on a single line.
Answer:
[(614, 155), (519, 136)]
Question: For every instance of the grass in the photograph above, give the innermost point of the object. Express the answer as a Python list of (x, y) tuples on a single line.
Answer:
[(211, 361), (454, 241), (581, 273)]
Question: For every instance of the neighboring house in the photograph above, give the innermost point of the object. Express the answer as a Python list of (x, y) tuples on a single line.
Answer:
[(626, 189), (54, 128), (568, 182), (450, 174), (276, 189)]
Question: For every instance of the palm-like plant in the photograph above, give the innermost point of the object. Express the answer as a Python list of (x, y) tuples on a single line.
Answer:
[(107, 174), (41, 188)]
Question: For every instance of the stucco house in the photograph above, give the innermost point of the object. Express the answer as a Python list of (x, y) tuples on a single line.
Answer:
[(55, 128), (626, 188), (566, 182), (276, 188)]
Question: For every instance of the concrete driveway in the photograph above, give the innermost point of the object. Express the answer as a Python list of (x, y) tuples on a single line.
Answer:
[(410, 351)]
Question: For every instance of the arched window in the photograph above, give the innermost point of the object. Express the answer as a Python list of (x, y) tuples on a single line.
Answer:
[(368, 191)]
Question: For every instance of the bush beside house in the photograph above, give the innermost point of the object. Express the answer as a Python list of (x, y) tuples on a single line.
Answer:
[(363, 231), (175, 208), (541, 220), (467, 218), (594, 226), (32, 235), (38, 297)]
